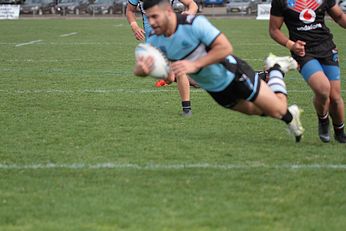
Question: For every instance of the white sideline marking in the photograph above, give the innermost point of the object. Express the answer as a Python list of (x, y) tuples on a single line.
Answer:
[(119, 25), (105, 91), (173, 166), (28, 43), (69, 34)]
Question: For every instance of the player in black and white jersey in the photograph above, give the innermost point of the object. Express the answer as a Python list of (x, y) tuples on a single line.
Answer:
[(141, 34), (311, 44)]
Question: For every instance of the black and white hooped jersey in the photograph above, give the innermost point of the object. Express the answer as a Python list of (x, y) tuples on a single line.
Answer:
[(304, 19)]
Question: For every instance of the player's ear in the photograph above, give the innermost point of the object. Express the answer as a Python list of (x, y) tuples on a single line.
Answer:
[(169, 8)]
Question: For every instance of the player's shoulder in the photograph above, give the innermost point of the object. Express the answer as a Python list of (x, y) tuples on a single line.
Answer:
[(189, 18), (134, 2), (284, 1)]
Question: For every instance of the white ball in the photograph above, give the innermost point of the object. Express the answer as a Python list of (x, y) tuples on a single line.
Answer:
[(161, 68)]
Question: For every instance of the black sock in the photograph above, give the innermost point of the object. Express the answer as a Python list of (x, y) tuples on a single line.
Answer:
[(287, 118), (186, 106), (263, 75), (277, 68), (339, 129), (324, 120)]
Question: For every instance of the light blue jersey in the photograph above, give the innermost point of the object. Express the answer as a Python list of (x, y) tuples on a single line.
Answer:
[(193, 37)]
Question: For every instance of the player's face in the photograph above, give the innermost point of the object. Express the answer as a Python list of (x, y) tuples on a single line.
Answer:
[(158, 19)]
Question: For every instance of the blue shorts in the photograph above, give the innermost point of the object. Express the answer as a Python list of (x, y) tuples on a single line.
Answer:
[(314, 65), (326, 61)]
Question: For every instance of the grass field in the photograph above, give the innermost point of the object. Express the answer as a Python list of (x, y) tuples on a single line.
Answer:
[(85, 145)]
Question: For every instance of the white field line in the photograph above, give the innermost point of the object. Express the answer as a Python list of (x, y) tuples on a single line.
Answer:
[(107, 91), (48, 60), (181, 166), (69, 34), (96, 91), (28, 43)]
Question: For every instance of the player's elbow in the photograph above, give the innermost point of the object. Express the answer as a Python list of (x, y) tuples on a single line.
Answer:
[(224, 45), (271, 32), (230, 49), (342, 21), (274, 32), (227, 49)]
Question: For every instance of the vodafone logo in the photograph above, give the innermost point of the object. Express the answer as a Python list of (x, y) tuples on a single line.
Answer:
[(307, 16)]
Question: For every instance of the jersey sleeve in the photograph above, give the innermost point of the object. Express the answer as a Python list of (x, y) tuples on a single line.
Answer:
[(330, 3), (204, 30), (277, 8), (133, 2)]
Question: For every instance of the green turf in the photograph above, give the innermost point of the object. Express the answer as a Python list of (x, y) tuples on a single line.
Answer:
[(70, 107)]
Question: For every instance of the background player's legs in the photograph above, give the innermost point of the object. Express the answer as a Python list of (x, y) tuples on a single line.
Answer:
[(336, 107), (320, 85), (184, 92), (327, 100)]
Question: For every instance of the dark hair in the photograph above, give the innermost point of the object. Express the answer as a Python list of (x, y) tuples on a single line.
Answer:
[(150, 3)]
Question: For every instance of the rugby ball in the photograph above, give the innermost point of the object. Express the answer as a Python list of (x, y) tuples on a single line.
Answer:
[(161, 68)]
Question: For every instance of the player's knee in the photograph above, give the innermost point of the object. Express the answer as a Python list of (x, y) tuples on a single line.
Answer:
[(277, 112), (323, 92), (336, 101)]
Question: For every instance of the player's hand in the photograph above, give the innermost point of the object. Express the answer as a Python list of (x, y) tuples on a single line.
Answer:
[(144, 66), (299, 48), (138, 32), (183, 67)]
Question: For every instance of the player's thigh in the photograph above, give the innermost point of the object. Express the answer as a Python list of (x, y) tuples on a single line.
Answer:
[(319, 83), (313, 73), (247, 107)]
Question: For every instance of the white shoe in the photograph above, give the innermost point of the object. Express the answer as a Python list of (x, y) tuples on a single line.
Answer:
[(286, 62), (295, 127)]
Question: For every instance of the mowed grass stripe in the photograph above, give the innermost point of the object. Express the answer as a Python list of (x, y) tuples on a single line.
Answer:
[(85, 145), (179, 166)]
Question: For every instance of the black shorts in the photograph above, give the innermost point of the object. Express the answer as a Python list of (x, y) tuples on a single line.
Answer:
[(245, 85), (325, 53)]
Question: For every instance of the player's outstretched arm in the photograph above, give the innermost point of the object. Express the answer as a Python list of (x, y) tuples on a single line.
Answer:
[(131, 18), (220, 49)]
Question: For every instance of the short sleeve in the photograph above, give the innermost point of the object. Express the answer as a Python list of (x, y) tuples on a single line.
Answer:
[(204, 30), (277, 8), (133, 2), (330, 3)]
